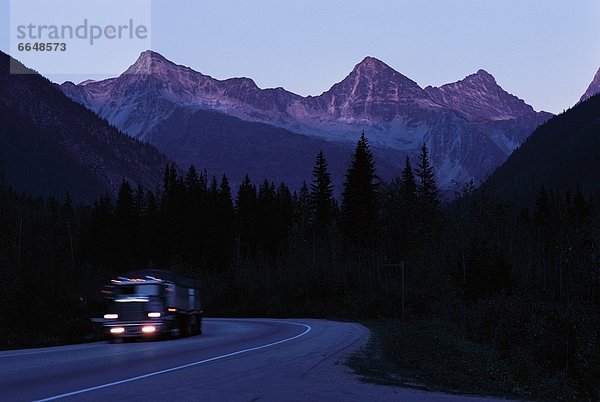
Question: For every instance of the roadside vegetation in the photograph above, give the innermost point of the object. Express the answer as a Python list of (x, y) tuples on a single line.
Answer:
[(473, 296)]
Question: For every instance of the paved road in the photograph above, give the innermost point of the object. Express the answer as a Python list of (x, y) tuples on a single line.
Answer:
[(234, 360)]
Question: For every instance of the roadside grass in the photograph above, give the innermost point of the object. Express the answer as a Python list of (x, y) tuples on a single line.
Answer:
[(432, 355)]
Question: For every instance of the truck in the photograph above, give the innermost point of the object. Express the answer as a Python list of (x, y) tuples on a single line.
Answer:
[(153, 304)]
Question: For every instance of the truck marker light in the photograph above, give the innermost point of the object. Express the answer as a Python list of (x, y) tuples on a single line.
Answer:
[(154, 315), (111, 316), (148, 329), (117, 330)]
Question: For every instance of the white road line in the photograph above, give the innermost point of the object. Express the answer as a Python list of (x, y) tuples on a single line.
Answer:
[(169, 370)]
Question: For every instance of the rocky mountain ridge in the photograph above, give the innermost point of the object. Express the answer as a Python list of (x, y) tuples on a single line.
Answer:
[(470, 126)]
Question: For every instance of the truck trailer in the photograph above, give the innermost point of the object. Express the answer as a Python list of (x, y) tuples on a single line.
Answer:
[(152, 303)]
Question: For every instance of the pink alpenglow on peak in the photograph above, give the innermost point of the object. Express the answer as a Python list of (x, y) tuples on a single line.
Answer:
[(470, 126), (478, 97)]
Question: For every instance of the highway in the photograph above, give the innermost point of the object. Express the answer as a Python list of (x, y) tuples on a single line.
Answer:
[(233, 360)]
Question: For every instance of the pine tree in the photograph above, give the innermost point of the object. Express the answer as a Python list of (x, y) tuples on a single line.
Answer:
[(225, 194), (246, 214), (225, 225), (192, 179), (302, 208), (139, 200), (408, 184), (321, 194), (170, 179), (359, 198), (125, 202), (427, 192)]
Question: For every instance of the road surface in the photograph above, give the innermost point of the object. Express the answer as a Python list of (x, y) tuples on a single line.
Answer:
[(234, 360)]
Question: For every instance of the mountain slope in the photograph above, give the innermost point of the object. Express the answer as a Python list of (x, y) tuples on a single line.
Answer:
[(226, 144), (561, 154), (470, 126), (479, 98), (593, 88), (50, 145)]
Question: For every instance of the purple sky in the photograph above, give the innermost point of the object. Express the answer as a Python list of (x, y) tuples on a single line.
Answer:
[(545, 52)]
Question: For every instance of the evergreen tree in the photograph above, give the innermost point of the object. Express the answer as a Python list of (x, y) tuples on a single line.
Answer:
[(225, 194), (125, 203), (139, 201), (213, 191), (246, 214), (170, 180), (359, 198), (192, 179), (302, 208), (408, 184), (427, 192), (321, 194)]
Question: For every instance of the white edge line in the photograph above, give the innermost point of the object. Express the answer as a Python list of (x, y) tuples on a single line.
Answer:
[(155, 373)]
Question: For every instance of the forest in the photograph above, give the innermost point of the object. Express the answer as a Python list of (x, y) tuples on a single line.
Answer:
[(523, 280)]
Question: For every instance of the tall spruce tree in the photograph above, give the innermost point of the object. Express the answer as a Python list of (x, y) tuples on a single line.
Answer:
[(246, 209), (359, 197), (302, 208), (225, 194), (192, 179), (408, 184), (321, 194), (427, 192)]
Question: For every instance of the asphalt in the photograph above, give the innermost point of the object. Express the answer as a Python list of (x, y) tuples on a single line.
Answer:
[(233, 360)]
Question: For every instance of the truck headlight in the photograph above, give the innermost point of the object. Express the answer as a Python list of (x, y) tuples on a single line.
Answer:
[(154, 315), (111, 316)]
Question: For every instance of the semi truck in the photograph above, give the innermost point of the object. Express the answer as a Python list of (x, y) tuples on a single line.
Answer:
[(152, 303)]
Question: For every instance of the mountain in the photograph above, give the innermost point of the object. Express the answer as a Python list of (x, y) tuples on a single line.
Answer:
[(593, 88), (150, 90), (479, 98), (560, 155), (229, 145), (470, 126), (50, 145)]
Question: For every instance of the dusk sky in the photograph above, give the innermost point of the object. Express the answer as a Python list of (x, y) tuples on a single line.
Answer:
[(545, 52)]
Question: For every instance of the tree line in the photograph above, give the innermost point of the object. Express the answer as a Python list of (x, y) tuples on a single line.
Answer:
[(522, 279)]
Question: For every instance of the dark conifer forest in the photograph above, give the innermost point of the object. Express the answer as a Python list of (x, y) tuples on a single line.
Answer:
[(521, 279)]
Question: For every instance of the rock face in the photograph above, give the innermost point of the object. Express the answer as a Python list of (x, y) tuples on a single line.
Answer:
[(50, 145), (470, 126), (593, 89), (478, 98)]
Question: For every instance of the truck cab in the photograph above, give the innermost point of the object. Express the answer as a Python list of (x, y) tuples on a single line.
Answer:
[(152, 304)]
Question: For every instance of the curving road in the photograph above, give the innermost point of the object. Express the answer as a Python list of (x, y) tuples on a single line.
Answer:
[(234, 360)]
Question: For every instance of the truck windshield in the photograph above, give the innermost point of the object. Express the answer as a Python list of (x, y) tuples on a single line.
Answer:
[(142, 290)]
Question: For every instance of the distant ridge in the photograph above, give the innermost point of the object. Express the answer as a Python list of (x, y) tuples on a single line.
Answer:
[(50, 145), (470, 126)]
